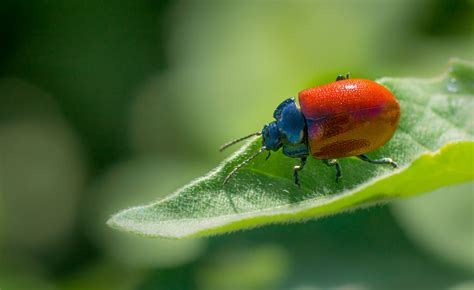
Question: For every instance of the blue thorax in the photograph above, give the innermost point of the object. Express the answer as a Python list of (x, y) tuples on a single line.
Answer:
[(288, 131)]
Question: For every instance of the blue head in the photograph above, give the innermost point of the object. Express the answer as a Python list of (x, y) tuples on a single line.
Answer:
[(287, 131), (271, 137)]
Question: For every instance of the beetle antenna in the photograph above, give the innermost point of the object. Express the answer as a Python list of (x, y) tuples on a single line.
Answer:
[(242, 164), (238, 140)]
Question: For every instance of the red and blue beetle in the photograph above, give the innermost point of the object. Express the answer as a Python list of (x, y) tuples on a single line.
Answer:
[(349, 117)]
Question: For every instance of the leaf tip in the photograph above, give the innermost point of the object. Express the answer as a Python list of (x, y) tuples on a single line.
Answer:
[(119, 221), (112, 222)]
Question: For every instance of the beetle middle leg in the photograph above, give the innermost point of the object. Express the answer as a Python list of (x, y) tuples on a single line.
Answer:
[(378, 161), (297, 168), (334, 162)]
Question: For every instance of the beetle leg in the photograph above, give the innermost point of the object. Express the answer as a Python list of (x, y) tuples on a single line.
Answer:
[(378, 161), (341, 77), (334, 162), (268, 156), (297, 168)]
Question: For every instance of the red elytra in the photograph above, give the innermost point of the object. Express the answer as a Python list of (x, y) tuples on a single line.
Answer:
[(348, 117)]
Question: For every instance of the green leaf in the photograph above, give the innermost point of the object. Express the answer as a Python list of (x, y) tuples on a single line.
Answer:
[(433, 144)]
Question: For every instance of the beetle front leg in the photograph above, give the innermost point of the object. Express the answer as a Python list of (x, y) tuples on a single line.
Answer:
[(297, 168), (334, 162), (378, 161)]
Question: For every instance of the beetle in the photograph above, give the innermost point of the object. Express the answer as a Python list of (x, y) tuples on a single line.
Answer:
[(348, 117)]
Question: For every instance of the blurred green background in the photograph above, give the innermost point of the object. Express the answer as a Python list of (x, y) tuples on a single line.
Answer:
[(109, 104)]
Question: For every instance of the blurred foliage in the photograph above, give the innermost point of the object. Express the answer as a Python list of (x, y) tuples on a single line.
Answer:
[(261, 267), (92, 91), (440, 225)]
